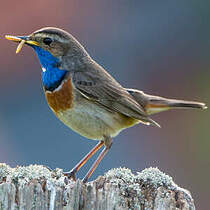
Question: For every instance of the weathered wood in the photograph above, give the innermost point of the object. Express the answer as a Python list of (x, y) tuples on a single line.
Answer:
[(35, 187)]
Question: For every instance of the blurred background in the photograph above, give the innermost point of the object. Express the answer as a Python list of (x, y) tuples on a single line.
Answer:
[(160, 47)]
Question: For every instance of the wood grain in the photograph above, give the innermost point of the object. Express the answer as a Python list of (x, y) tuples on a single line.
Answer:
[(35, 187)]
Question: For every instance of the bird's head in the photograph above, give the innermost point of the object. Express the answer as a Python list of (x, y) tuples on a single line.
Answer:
[(53, 46), (58, 52)]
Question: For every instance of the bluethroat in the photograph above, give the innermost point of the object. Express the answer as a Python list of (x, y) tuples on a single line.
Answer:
[(85, 97)]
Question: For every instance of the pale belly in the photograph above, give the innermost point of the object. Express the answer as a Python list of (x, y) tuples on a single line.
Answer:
[(84, 116), (94, 122)]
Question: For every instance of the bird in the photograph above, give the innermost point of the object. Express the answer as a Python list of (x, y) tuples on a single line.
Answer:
[(85, 97)]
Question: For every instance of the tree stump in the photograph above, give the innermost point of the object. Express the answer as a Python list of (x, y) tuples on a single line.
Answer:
[(36, 187)]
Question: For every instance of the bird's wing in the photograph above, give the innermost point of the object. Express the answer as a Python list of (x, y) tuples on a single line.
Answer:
[(103, 89)]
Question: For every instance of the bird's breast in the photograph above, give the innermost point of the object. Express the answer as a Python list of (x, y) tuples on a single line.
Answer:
[(87, 118), (61, 98)]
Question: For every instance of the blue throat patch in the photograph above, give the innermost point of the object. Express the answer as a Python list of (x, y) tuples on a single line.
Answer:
[(51, 76)]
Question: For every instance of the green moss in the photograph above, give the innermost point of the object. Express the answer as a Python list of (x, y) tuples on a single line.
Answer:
[(22, 175), (5, 170), (155, 177), (130, 183)]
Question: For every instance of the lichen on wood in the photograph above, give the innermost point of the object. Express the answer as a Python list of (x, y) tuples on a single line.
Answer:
[(36, 187)]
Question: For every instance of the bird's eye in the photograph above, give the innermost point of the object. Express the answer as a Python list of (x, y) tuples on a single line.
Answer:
[(47, 40)]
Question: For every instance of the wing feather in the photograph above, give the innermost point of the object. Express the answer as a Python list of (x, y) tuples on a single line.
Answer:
[(107, 92)]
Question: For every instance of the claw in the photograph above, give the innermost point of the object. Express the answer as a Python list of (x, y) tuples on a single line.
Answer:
[(84, 180), (70, 175)]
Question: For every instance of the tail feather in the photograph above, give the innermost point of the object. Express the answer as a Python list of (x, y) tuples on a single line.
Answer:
[(155, 104), (158, 104), (186, 104)]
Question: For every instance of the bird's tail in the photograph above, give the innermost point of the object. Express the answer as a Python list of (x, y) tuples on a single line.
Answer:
[(155, 104), (159, 104)]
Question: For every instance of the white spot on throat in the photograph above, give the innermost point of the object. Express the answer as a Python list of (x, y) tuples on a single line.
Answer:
[(43, 69)]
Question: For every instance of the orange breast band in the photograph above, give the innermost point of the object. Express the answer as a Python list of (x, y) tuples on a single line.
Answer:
[(61, 98)]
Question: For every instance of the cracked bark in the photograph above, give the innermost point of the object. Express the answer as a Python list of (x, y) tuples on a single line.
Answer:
[(35, 187)]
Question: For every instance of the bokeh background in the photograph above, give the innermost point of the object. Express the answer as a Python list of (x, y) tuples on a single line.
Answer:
[(160, 47)]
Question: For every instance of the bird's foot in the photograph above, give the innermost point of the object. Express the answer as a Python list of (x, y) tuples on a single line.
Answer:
[(85, 179), (70, 175)]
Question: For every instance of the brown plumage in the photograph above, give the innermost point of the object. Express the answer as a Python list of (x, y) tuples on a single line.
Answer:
[(61, 99)]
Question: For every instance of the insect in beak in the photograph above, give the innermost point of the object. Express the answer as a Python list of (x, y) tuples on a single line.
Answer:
[(22, 40)]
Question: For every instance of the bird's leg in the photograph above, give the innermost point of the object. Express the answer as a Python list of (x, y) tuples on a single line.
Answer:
[(71, 174), (107, 144)]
